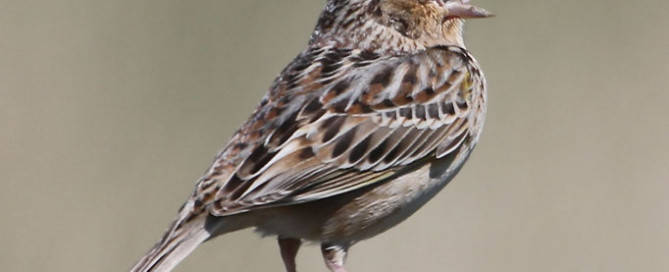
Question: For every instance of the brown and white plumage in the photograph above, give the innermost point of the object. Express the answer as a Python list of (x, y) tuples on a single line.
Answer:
[(357, 133)]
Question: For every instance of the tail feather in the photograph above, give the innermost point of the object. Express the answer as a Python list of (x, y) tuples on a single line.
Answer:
[(177, 243)]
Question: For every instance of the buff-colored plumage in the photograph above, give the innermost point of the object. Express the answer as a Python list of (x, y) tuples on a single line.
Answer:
[(356, 134)]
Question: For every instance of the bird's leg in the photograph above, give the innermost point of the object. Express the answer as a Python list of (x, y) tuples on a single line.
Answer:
[(289, 248), (334, 256)]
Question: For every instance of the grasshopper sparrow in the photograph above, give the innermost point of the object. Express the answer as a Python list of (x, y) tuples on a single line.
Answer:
[(365, 126)]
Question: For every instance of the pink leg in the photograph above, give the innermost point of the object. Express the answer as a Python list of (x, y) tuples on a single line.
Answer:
[(289, 248), (334, 256)]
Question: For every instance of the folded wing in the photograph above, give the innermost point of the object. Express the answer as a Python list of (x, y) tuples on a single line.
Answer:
[(351, 120)]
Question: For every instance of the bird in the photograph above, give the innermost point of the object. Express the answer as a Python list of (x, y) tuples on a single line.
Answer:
[(364, 127)]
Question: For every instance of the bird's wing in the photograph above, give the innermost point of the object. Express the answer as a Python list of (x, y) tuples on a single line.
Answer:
[(336, 121)]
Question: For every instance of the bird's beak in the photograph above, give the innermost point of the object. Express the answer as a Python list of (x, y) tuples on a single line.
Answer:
[(463, 9)]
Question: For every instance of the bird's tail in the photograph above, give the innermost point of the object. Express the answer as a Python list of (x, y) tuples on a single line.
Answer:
[(179, 241)]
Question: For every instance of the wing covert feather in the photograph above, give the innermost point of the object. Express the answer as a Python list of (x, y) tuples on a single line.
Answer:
[(350, 127)]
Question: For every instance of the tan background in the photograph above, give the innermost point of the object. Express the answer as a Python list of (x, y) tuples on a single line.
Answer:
[(110, 110)]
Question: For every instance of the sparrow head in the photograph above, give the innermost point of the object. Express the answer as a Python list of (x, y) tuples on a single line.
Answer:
[(397, 26)]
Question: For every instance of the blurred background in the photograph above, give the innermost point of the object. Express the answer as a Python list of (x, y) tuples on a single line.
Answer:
[(111, 110)]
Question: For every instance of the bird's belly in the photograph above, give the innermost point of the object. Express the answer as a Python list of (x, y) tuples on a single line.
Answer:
[(367, 212)]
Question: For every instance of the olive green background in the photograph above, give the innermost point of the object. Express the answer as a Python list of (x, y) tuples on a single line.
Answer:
[(110, 111)]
